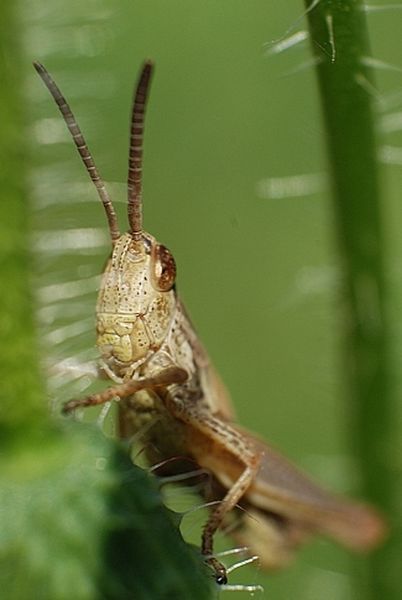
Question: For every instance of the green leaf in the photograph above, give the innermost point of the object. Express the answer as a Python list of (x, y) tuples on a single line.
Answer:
[(78, 520)]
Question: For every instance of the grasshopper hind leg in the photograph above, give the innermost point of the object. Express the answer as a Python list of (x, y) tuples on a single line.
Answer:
[(217, 446), (217, 516)]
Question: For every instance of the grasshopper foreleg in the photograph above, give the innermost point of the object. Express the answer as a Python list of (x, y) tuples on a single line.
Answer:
[(166, 377)]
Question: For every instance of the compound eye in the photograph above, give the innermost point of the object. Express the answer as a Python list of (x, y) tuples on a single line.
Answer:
[(163, 268)]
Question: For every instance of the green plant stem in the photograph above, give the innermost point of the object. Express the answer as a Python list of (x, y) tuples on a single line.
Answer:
[(340, 43), (21, 397)]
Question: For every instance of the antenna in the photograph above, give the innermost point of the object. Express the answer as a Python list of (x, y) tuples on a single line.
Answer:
[(82, 148), (134, 179)]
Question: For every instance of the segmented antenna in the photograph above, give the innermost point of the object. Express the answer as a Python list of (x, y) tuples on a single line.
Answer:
[(134, 180), (82, 148)]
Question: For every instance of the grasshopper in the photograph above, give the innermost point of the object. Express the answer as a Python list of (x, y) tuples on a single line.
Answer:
[(168, 389)]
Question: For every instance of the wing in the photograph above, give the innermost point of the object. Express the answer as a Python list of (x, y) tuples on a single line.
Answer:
[(283, 490)]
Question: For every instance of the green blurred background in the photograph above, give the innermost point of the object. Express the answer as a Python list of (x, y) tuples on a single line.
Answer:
[(231, 124)]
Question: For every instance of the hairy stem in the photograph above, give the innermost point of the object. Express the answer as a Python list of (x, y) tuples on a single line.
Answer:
[(339, 39)]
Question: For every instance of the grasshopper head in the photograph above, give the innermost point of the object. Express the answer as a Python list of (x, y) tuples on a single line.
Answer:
[(136, 301), (136, 298)]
